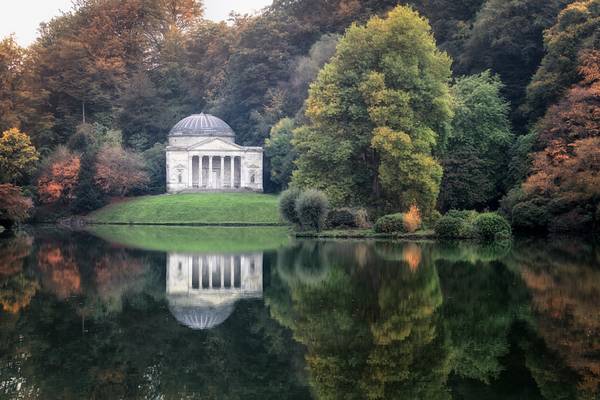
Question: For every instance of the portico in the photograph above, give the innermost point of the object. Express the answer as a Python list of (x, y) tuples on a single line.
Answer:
[(202, 156)]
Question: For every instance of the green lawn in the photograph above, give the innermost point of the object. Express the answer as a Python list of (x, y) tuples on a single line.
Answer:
[(197, 208), (194, 239)]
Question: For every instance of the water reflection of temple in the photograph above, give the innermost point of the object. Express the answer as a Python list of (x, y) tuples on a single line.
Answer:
[(202, 288)]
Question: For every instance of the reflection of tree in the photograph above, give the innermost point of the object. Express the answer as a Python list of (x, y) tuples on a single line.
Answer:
[(564, 282), (16, 287), (59, 269), (116, 338), (482, 302), (369, 323)]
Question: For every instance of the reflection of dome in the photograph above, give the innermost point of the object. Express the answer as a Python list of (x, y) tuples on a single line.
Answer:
[(202, 125), (201, 310), (201, 317)]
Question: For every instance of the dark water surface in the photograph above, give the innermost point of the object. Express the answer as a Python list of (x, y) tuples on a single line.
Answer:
[(227, 313)]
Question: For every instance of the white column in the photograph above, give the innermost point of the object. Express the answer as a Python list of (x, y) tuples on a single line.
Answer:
[(199, 170), (210, 175), (210, 267), (222, 173), (242, 172), (222, 272), (231, 170), (231, 269), (190, 173)]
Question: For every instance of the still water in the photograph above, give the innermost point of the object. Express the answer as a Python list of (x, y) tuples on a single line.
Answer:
[(230, 313)]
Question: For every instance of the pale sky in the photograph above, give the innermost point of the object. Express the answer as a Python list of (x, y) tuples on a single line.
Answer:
[(22, 17)]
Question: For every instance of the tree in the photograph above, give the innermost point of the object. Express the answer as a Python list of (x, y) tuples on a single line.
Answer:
[(575, 33), (563, 180), (88, 196), (155, 160), (119, 171), (507, 37), (59, 175), (17, 155), (376, 112), (14, 207), (475, 160), (281, 152)]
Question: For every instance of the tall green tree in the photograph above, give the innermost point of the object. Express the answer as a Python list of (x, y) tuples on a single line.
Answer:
[(507, 37), (475, 160), (377, 112), (281, 152)]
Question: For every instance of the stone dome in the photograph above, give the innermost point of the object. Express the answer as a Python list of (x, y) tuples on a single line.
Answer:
[(202, 125)]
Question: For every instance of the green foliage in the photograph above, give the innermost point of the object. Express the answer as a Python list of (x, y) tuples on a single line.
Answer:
[(468, 224), (475, 158), (342, 218), (376, 122), (448, 227), (287, 206), (390, 224), (281, 152), (312, 207), (489, 227), (17, 155), (155, 160), (88, 196), (575, 32), (507, 37)]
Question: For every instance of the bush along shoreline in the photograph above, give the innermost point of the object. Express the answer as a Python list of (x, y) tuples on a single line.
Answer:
[(311, 217)]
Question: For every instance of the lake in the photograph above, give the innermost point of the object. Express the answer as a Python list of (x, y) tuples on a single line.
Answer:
[(250, 313)]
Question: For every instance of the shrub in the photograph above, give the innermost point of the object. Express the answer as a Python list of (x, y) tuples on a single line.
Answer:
[(491, 226), (341, 218), (431, 220), (412, 219), (362, 219), (390, 223), (287, 206), (311, 209), (449, 227), (529, 216)]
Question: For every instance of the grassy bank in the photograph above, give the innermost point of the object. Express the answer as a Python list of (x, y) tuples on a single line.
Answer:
[(192, 209), (194, 239), (365, 234)]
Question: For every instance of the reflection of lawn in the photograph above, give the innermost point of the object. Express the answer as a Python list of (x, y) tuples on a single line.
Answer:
[(194, 239), (197, 208)]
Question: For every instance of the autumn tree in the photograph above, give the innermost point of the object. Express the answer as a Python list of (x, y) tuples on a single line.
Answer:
[(14, 207), (17, 155), (377, 111), (119, 171), (561, 192), (58, 177), (475, 158), (575, 32)]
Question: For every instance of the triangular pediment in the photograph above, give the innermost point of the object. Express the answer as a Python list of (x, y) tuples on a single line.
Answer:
[(214, 144)]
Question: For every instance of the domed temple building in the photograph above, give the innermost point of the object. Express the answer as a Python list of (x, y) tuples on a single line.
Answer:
[(202, 289), (202, 156)]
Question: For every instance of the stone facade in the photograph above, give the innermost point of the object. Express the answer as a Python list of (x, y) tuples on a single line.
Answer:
[(202, 156), (202, 289)]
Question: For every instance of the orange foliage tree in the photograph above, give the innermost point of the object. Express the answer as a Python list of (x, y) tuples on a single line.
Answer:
[(564, 183), (59, 177), (119, 171), (14, 207)]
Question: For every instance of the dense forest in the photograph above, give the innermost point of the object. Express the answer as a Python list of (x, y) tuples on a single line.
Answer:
[(471, 104)]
